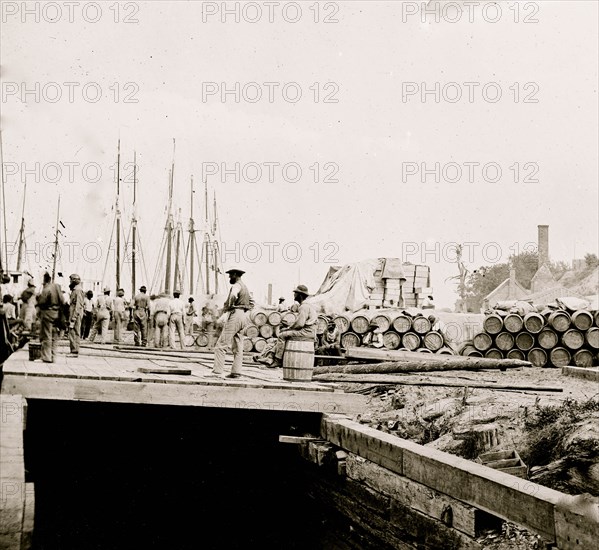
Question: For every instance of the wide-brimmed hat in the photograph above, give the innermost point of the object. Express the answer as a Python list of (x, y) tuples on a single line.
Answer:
[(30, 283), (235, 270), (301, 289), (177, 291), (143, 288), (106, 289)]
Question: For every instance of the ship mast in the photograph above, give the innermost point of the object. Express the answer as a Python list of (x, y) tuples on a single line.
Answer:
[(169, 226), (22, 231), (207, 238), (134, 226), (118, 217), (3, 209), (56, 240)]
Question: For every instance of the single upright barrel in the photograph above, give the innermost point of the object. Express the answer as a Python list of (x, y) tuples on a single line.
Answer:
[(534, 322), (582, 319), (298, 360), (559, 320), (402, 324), (493, 323)]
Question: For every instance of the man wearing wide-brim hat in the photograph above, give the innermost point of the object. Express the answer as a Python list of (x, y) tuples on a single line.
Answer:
[(373, 337), (76, 307), (303, 327), (234, 321), (141, 315)]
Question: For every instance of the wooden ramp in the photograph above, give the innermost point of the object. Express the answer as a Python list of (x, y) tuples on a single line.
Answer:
[(105, 374)]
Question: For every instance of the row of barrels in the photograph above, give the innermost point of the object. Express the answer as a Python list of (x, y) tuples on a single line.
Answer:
[(550, 338), (263, 328), (400, 331)]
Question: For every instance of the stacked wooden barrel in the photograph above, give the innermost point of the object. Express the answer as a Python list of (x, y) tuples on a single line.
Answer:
[(400, 331), (553, 338), (263, 328)]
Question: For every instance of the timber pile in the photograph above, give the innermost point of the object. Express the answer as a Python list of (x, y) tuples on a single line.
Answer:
[(402, 330), (550, 338)]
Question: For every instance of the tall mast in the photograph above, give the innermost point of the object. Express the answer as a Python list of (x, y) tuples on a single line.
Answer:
[(207, 238), (215, 260), (22, 230), (177, 248), (56, 240), (191, 240), (118, 217), (169, 234), (133, 225), (3, 208)]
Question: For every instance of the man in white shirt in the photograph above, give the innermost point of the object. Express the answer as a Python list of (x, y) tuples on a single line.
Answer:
[(177, 308), (120, 312), (162, 313), (103, 311), (282, 306)]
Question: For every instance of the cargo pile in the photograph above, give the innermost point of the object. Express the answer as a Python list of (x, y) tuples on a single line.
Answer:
[(402, 330), (551, 338), (263, 328)]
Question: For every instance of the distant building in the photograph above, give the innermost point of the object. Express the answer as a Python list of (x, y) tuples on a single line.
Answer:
[(579, 264), (510, 289)]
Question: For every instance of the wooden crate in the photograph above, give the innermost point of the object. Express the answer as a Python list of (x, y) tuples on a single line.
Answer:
[(508, 462)]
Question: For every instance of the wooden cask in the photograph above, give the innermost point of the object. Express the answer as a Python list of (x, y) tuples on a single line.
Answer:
[(288, 318), (424, 350), (360, 323), (537, 356), (534, 322), (350, 340), (266, 331), (402, 324), (202, 340), (513, 323), (410, 341), (247, 345), (321, 324), (504, 341), (391, 340), (583, 358), (471, 351), (559, 320), (494, 353), (421, 325), (592, 337), (259, 318), (525, 341), (482, 341), (516, 354), (259, 344), (342, 322), (298, 360), (573, 339), (433, 340), (560, 357), (445, 351), (252, 331), (547, 339), (582, 320), (383, 320), (493, 324), (275, 318)]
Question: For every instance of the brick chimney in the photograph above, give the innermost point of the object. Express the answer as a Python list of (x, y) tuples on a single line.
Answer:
[(543, 246)]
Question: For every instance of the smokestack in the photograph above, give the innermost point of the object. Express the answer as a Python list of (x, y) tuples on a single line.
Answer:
[(543, 245)]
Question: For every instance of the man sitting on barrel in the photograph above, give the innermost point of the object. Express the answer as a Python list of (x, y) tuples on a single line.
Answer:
[(304, 327)]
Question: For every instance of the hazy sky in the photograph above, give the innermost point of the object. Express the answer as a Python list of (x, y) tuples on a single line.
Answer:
[(173, 58)]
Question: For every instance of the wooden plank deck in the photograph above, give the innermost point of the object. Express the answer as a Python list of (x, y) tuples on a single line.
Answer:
[(104, 374)]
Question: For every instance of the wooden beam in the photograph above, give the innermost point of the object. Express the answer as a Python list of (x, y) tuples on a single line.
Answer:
[(220, 395), (297, 440), (499, 494), (586, 373)]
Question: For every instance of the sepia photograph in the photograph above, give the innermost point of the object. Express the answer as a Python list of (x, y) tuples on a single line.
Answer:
[(299, 275)]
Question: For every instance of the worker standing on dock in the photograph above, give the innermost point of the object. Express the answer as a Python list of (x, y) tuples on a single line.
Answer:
[(120, 314), (76, 309), (103, 309), (141, 314), (234, 320), (162, 314), (190, 313), (176, 319), (49, 303)]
